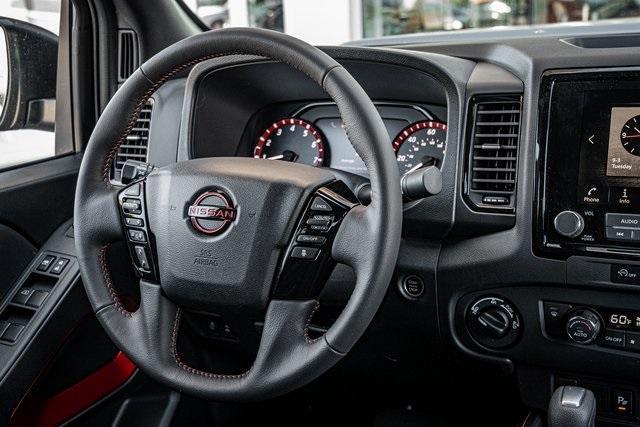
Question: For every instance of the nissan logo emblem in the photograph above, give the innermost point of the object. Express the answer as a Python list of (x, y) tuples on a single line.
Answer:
[(212, 212)]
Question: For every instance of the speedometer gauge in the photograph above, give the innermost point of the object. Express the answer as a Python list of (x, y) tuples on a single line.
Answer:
[(420, 144), (291, 140)]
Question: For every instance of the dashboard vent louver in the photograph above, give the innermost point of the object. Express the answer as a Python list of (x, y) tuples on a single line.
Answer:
[(127, 54), (137, 143), (493, 152)]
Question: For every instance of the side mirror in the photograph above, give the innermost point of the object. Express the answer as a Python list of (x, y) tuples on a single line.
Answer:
[(28, 64)]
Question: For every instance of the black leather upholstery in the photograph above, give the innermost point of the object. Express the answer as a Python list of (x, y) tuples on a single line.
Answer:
[(368, 239)]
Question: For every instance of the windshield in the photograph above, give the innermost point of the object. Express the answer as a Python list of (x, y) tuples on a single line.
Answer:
[(340, 21)]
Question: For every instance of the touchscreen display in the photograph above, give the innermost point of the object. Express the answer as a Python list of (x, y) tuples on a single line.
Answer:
[(609, 173), (623, 157)]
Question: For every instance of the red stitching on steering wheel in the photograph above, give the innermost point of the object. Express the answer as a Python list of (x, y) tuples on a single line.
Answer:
[(181, 364)]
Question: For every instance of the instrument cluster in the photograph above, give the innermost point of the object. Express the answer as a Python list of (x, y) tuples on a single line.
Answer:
[(315, 136)]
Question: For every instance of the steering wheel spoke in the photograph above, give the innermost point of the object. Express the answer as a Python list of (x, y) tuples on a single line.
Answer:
[(308, 262), (354, 239)]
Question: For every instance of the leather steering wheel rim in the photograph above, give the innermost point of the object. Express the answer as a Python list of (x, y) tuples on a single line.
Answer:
[(368, 239)]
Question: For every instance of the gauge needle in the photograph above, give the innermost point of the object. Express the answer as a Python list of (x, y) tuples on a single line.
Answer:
[(426, 160), (287, 156), (415, 168)]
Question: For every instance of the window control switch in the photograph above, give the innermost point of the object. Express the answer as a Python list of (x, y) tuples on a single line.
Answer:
[(59, 266), (22, 296), (37, 298), (46, 263), (12, 333), (3, 326)]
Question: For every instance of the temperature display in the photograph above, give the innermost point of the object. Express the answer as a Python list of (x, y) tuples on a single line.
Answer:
[(623, 320)]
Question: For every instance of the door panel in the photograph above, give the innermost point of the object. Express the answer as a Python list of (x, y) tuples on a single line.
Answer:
[(34, 201)]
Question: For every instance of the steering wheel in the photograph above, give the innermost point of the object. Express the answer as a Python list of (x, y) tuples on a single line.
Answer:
[(225, 233)]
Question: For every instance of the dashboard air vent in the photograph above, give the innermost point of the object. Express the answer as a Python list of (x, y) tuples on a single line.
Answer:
[(127, 54), (137, 143), (493, 152)]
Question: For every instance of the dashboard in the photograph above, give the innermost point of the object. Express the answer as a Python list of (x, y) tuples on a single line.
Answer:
[(538, 220)]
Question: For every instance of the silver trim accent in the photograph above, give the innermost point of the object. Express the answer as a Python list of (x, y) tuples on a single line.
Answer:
[(579, 225), (572, 396)]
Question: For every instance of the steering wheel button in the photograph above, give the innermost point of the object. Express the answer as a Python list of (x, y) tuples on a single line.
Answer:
[(131, 206), (319, 227), (137, 236), (134, 190), (303, 252), (311, 239), (319, 204), (318, 221), (323, 217), (134, 222), (141, 256)]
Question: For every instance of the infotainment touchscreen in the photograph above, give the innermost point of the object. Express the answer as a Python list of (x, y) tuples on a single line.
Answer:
[(591, 163), (623, 157), (609, 171)]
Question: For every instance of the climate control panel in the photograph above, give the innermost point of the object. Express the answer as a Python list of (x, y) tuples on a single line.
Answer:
[(588, 325)]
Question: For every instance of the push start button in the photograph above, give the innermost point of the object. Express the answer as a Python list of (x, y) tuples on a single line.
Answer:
[(412, 286)]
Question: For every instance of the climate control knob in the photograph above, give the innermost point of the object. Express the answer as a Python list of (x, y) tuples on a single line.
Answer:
[(583, 326), (569, 224)]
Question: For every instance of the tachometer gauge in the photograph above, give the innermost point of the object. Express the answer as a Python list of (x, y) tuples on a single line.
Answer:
[(291, 140), (420, 144), (630, 136)]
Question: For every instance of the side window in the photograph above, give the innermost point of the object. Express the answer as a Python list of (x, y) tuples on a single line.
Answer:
[(28, 62), (216, 14)]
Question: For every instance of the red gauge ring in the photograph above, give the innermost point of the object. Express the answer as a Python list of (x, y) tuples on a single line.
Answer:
[(413, 128), (312, 154)]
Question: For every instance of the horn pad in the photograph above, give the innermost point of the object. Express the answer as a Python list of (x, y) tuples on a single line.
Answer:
[(220, 226)]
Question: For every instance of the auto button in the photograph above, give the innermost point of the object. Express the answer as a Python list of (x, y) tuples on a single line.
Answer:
[(583, 327)]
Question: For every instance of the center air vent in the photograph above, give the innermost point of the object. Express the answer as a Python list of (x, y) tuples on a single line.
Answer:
[(493, 152), (136, 145)]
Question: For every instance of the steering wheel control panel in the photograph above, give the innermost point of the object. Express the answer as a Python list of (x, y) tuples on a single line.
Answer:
[(589, 183), (589, 325), (308, 262), (135, 224)]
